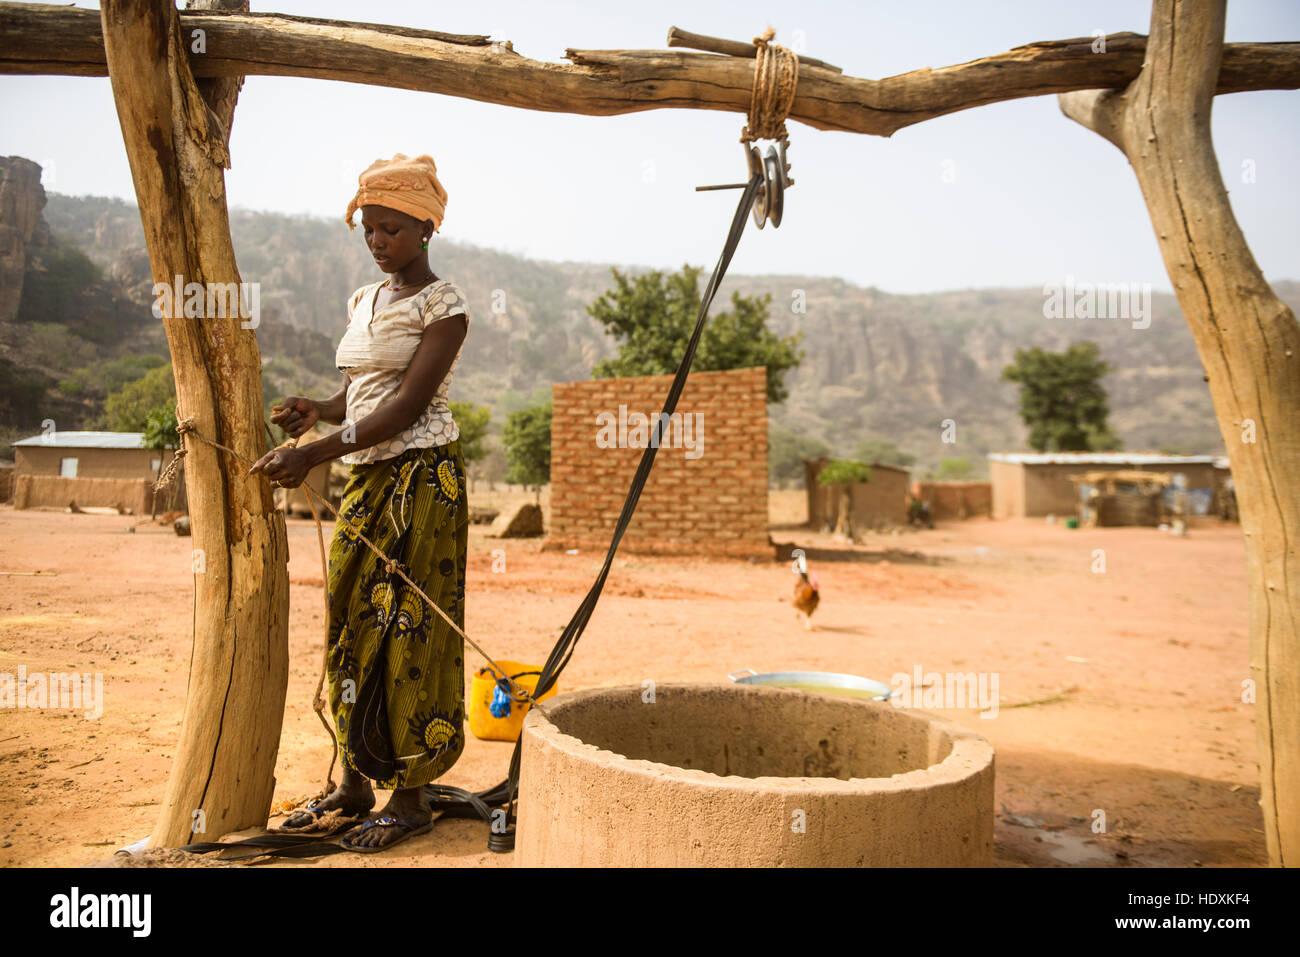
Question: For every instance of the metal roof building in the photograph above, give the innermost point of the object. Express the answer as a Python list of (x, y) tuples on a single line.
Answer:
[(1027, 484), (86, 440), (90, 468)]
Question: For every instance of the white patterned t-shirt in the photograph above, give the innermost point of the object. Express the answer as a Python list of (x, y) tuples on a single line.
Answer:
[(375, 353)]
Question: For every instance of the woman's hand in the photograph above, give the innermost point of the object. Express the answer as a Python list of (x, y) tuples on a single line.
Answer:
[(286, 467), (296, 414)]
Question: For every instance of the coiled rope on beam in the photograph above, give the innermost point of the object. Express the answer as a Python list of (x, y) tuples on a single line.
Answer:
[(776, 77)]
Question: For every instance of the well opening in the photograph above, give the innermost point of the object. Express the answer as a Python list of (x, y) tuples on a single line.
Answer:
[(733, 775), (753, 733)]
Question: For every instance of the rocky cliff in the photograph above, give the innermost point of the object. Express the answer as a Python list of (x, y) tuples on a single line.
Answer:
[(22, 231), (876, 365)]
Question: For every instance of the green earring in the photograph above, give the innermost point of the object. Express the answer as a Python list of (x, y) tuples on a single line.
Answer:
[(426, 244)]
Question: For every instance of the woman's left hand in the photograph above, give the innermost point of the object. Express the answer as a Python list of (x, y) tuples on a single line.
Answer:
[(287, 467)]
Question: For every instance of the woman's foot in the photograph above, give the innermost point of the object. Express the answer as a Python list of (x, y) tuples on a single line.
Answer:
[(353, 797), (406, 804)]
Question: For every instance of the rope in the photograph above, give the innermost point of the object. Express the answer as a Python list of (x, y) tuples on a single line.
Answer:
[(186, 428), (776, 75), (318, 702), (168, 474)]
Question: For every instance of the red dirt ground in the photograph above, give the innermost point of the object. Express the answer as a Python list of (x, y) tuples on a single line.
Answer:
[(1149, 727)]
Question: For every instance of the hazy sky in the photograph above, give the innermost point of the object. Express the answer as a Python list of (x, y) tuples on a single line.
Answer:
[(1034, 196)]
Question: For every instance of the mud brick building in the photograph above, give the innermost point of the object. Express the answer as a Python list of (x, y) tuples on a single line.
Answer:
[(707, 492), (959, 500), (880, 503)]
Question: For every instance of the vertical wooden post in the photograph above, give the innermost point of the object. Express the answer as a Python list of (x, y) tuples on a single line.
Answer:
[(222, 775), (1249, 343)]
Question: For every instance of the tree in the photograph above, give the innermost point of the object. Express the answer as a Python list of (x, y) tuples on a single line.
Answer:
[(882, 452), (786, 451), (21, 392), (844, 473), (177, 138), (473, 422), (528, 447), (1061, 398), (160, 428), (1248, 341), (61, 287), (652, 317), (99, 378), (954, 469), (128, 409)]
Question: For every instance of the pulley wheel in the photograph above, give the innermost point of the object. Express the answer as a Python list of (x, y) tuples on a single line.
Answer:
[(756, 165), (774, 172)]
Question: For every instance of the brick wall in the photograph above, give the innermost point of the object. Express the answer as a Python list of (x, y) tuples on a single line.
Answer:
[(713, 501)]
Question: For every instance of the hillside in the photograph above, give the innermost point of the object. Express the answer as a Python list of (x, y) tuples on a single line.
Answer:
[(877, 365)]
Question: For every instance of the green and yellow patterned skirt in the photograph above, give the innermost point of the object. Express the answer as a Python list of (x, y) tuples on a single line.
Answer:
[(395, 667)]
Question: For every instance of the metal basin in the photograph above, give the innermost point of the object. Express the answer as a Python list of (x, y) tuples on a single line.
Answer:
[(826, 682)]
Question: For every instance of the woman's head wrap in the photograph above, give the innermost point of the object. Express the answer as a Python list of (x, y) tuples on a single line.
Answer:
[(408, 185)]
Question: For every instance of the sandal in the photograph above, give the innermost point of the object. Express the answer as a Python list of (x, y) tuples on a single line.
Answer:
[(412, 825), (321, 818)]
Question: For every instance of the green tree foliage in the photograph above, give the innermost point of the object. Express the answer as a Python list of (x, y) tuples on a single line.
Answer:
[(844, 472), (473, 422), (160, 428), (21, 392), (528, 446), (786, 450), (100, 378), (652, 317), (1061, 398), (57, 291), (69, 290), (882, 452), (954, 470), (128, 409)]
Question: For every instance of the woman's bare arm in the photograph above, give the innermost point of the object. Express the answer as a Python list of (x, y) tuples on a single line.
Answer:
[(334, 409), (429, 366)]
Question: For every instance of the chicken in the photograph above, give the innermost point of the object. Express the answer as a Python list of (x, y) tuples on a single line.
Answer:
[(806, 592)]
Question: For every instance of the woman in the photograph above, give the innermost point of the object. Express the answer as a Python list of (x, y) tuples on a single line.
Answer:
[(395, 667)]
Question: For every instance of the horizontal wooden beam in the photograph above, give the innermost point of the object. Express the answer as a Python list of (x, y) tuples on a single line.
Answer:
[(48, 39)]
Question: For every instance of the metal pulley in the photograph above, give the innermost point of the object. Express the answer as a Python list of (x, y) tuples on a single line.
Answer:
[(769, 201)]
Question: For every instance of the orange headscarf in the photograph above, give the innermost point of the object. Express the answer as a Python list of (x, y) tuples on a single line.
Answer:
[(408, 185)]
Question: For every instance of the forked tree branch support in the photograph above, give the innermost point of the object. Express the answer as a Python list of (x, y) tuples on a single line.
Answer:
[(47, 39), (1249, 343)]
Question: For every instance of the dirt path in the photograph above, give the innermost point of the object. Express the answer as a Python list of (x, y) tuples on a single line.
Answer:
[(1142, 665)]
